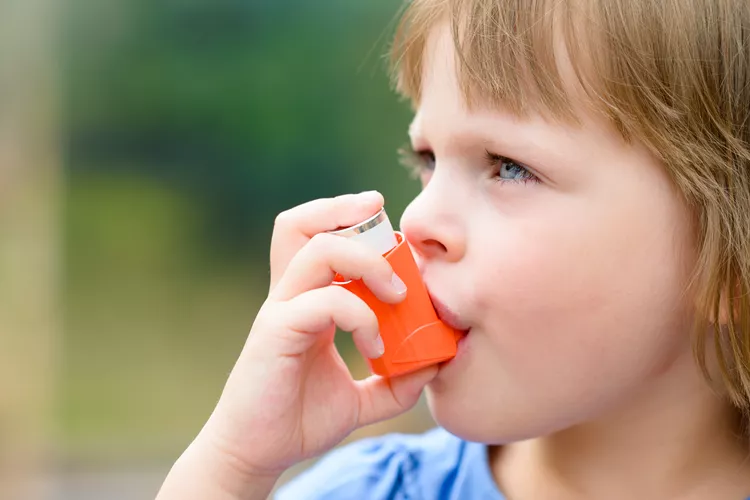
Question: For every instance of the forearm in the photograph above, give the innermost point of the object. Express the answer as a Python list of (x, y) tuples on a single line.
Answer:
[(201, 472)]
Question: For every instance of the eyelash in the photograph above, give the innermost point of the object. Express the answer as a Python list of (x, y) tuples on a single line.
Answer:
[(416, 162), (413, 161)]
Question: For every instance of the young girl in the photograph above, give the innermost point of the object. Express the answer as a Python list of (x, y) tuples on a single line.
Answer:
[(585, 221)]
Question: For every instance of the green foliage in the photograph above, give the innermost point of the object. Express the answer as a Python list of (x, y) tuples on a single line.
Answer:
[(250, 107), (188, 125)]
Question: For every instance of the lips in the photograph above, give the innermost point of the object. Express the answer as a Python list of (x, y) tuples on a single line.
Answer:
[(448, 316)]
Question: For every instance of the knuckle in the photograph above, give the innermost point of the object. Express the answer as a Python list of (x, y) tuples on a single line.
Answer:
[(365, 315), (358, 312), (342, 200), (340, 295), (371, 320), (321, 241), (268, 318), (283, 219), (376, 265), (351, 301), (383, 266)]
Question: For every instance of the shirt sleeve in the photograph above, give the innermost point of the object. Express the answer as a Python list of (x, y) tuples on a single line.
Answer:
[(374, 468)]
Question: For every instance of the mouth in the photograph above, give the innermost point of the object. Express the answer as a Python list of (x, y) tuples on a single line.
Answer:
[(449, 317)]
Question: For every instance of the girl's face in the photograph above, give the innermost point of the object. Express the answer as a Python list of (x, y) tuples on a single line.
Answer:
[(563, 250)]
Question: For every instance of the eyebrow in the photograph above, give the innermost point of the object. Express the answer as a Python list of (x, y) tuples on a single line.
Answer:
[(532, 149), (473, 136)]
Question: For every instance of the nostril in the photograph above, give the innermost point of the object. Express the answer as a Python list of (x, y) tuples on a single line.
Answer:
[(434, 246)]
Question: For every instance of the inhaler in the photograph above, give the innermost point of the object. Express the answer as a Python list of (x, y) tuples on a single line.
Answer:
[(413, 335)]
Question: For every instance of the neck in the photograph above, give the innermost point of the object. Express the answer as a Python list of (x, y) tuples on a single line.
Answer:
[(677, 440)]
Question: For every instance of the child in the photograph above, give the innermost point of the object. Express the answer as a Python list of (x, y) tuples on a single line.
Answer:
[(584, 219)]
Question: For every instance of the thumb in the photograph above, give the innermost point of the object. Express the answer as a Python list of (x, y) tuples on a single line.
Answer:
[(381, 398)]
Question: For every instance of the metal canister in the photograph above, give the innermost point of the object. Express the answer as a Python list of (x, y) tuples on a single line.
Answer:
[(376, 232)]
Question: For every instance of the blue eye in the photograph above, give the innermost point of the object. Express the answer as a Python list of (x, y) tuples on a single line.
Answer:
[(509, 170), (421, 164), (513, 171)]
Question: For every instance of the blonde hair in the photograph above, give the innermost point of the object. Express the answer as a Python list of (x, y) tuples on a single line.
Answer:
[(673, 75)]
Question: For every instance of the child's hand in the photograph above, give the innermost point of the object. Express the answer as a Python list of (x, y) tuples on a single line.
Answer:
[(290, 395)]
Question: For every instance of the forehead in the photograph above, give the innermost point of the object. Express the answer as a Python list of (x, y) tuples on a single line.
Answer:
[(440, 92), (444, 97)]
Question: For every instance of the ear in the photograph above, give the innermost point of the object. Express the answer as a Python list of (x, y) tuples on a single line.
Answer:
[(707, 308), (729, 305)]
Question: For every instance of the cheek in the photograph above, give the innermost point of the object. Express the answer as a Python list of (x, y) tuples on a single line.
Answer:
[(567, 326), (601, 293)]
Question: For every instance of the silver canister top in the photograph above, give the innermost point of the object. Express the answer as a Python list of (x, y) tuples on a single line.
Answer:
[(376, 232)]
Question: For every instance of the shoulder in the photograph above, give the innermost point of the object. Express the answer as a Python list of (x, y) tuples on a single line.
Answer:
[(394, 466)]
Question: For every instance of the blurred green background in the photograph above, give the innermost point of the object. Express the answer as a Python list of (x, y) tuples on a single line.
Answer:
[(187, 126)]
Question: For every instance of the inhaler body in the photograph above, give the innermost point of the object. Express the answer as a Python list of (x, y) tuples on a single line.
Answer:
[(413, 335)]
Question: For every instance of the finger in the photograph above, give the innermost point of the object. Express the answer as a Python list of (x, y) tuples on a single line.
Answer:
[(293, 228), (381, 398), (316, 311), (316, 265)]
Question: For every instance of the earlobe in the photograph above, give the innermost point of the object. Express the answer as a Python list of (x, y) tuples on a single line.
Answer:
[(728, 308), (718, 313)]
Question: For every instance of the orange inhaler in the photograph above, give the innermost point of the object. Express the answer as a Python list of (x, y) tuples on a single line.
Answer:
[(413, 335)]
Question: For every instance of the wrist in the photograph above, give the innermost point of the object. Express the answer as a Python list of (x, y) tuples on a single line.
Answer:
[(205, 471), (231, 474)]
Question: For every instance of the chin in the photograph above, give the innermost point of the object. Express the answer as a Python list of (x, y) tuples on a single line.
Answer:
[(459, 417), (473, 418)]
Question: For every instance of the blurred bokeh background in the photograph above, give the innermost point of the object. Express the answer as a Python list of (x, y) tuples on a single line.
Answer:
[(145, 148)]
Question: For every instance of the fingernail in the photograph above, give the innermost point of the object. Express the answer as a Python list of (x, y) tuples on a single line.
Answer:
[(397, 284), (379, 346)]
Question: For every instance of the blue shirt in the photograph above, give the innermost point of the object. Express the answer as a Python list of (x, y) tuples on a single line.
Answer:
[(432, 466)]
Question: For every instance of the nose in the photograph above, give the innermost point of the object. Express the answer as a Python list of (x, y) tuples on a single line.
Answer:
[(432, 224)]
